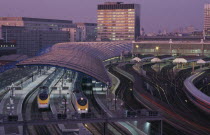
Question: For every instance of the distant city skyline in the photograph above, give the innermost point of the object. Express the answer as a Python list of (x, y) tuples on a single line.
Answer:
[(155, 14)]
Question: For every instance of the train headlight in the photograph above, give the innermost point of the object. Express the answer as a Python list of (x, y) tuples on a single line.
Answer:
[(78, 109), (86, 109)]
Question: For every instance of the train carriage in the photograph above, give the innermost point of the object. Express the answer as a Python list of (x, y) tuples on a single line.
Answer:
[(43, 98), (80, 102)]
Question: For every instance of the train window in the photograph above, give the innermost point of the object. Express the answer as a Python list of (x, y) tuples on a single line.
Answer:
[(43, 96), (82, 102)]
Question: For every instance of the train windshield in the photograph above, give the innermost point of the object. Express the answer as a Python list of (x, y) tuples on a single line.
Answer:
[(43, 94), (82, 102)]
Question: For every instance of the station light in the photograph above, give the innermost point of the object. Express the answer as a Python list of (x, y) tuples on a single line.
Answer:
[(137, 46)]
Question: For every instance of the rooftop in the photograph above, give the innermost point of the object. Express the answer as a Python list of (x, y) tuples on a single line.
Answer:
[(186, 59), (84, 57), (112, 3), (33, 19), (87, 24), (173, 42)]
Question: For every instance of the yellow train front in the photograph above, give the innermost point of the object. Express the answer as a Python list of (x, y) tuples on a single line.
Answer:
[(80, 102), (43, 98)]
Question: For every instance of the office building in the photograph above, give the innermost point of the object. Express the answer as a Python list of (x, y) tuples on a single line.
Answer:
[(75, 34), (36, 23), (207, 19), (34, 34), (29, 42), (118, 21), (89, 31), (171, 47)]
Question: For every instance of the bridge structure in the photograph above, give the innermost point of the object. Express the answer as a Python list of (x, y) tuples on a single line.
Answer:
[(86, 118)]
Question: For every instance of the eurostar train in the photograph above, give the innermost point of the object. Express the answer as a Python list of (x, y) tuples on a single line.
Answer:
[(79, 101), (43, 98)]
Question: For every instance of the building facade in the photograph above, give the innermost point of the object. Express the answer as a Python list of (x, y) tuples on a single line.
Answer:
[(7, 48), (75, 34), (89, 31), (207, 19), (29, 42), (34, 34), (118, 21), (197, 48), (36, 23)]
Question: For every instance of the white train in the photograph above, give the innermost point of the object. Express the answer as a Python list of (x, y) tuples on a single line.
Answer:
[(43, 98), (80, 102)]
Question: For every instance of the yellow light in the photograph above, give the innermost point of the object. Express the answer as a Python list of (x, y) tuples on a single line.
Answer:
[(137, 46), (157, 47)]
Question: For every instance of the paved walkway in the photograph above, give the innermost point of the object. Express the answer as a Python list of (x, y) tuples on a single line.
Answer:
[(5, 90), (17, 102)]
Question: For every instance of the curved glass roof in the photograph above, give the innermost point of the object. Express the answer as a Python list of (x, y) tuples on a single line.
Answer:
[(84, 57)]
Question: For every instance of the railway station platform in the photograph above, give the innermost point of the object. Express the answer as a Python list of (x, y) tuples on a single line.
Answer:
[(113, 106), (57, 105), (12, 103), (184, 62)]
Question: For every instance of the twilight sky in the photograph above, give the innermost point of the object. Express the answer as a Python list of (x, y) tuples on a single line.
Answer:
[(155, 14)]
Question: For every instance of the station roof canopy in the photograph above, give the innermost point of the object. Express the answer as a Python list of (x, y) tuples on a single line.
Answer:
[(143, 57), (137, 59), (84, 57), (186, 59), (204, 60), (162, 58)]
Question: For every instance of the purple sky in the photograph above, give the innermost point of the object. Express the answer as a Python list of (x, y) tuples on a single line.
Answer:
[(155, 14)]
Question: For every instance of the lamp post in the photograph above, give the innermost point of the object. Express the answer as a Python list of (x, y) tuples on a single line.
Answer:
[(157, 49), (10, 105), (137, 47), (170, 42), (107, 90), (115, 101), (101, 87), (60, 89), (12, 91)]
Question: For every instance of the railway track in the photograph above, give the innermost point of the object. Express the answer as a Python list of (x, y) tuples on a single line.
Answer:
[(99, 127), (124, 92), (174, 92), (111, 128), (135, 105), (30, 107)]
